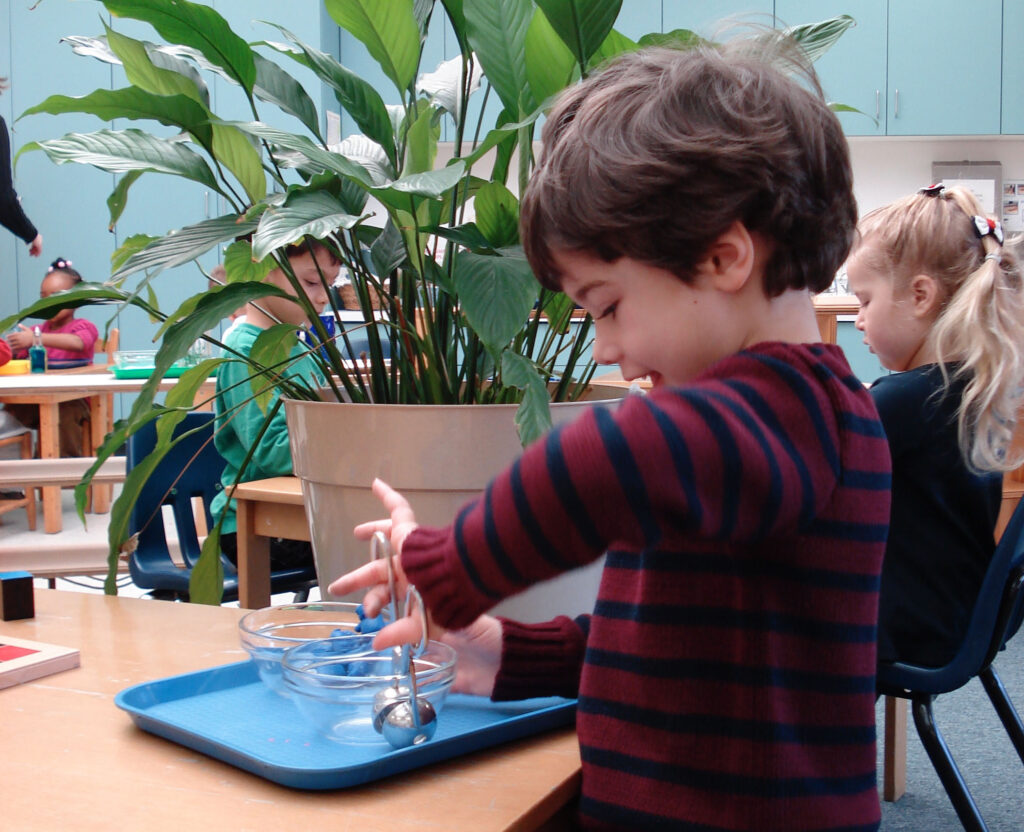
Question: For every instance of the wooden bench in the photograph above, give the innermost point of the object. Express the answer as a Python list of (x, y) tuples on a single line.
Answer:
[(63, 472)]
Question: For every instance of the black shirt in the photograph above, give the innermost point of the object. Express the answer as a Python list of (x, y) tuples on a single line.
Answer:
[(941, 535), (11, 215)]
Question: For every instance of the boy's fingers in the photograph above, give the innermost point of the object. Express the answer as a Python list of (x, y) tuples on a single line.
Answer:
[(397, 506), (364, 531), (368, 575), (404, 631)]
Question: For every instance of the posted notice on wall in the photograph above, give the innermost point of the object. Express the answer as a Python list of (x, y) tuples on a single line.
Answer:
[(1013, 205)]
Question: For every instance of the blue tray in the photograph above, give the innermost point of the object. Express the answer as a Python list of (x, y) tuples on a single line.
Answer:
[(228, 713)]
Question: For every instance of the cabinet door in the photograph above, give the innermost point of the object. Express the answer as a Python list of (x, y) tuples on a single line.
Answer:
[(1013, 68), (853, 71), (944, 67)]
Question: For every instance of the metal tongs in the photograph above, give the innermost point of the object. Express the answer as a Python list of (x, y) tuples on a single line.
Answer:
[(399, 714)]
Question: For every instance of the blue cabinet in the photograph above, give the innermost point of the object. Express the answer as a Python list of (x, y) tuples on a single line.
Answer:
[(1013, 67), (945, 67), (712, 19)]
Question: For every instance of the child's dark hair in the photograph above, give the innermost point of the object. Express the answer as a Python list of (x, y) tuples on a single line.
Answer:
[(657, 155), (310, 245), (62, 264)]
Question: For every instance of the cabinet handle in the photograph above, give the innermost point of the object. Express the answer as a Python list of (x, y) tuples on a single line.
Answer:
[(897, 108), (878, 102)]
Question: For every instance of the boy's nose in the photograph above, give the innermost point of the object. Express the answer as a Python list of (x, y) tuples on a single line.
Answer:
[(605, 351)]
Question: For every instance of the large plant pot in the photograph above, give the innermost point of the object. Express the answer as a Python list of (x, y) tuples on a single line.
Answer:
[(438, 456)]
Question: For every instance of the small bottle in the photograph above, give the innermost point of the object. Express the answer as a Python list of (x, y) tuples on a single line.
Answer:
[(37, 352)]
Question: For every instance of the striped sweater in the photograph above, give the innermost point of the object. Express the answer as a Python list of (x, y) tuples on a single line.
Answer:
[(726, 675)]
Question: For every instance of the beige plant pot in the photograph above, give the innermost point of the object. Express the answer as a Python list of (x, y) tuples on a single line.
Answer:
[(438, 456)]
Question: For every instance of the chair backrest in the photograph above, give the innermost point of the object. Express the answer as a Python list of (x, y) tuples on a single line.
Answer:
[(110, 345), (192, 468), (996, 617)]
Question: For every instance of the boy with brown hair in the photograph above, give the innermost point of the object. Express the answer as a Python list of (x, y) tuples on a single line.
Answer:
[(691, 202)]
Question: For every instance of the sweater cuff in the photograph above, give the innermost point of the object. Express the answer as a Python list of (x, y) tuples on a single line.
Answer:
[(539, 659), (425, 567)]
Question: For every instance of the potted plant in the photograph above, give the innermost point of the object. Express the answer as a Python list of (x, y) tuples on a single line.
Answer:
[(429, 240)]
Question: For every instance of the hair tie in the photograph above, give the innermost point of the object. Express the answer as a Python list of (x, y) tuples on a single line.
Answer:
[(935, 189), (984, 227), (59, 263), (994, 255)]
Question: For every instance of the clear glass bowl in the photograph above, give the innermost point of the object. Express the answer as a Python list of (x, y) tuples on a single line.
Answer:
[(337, 694), (267, 633)]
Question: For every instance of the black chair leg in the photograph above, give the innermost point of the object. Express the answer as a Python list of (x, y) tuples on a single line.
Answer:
[(1004, 707), (945, 767)]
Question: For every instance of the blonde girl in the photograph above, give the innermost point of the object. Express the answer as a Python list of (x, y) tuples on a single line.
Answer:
[(942, 305)]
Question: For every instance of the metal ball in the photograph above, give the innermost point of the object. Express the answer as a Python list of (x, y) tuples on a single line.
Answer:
[(385, 700), (400, 728)]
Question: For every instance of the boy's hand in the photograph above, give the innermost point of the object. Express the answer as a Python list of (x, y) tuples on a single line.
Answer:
[(374, 575)]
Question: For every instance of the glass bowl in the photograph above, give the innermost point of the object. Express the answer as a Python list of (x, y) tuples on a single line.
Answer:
[(338, 694), (267, 633)]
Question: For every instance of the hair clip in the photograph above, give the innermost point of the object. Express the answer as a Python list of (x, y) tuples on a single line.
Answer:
[(984, 226), (934, 189), (59, 263)]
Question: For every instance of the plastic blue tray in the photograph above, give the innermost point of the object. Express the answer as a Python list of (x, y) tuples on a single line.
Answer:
[(228, 713)]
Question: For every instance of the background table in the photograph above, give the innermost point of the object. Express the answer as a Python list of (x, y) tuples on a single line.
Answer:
[(48, 390), (72, 760)]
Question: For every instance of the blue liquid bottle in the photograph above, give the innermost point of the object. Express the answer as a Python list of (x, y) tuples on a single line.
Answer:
[(37, 353)]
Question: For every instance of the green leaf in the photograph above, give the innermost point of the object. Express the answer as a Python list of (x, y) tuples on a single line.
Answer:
[(388, 251), (582, 25), (614, 45), (497, 214), (142, 72), (206, 581), (118, 198), (184, 392), (496, 29), (550, 64), (271, 349), (421, 140), (496, 295), (133, 244), (120, 151), (676, 39), (359, 99), (185, 245), (222, 299), (317, 214), (235, 150), (134, 103), (533, 417), (432, 184), (83, 294), (817, 38), (195, 25), (389, 31), (457, 19), (506, 130), (313, 156), (277, 87), (240, 266)]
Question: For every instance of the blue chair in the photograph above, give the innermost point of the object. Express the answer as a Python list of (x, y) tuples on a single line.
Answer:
[(190, 469), (995, 619)]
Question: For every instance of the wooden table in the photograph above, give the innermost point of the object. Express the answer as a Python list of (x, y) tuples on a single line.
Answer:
[(72, 760), (828, 308), (48, 390), (265, 509)]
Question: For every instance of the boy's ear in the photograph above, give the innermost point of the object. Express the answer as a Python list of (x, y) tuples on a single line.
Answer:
[(730, 259), (925, 294)]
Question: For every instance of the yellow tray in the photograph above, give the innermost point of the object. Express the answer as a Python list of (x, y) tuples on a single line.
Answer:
[(16, 367)]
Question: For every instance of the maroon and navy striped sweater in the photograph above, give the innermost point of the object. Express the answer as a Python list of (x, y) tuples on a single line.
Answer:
[(726, 676)]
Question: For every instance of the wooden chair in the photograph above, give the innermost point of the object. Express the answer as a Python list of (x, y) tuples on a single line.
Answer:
[(23, 437)]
